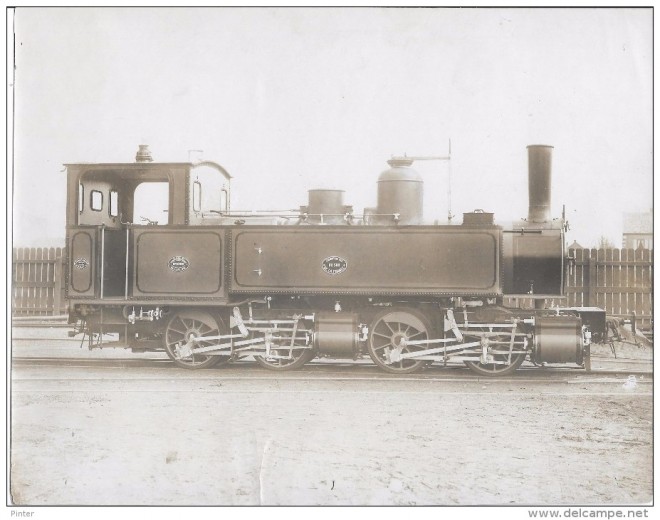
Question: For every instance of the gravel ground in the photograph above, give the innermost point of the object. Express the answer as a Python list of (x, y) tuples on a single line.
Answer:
[(122, 434), (147, 437)]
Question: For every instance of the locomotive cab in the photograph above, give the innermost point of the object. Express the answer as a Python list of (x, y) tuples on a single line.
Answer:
[(115, 208)]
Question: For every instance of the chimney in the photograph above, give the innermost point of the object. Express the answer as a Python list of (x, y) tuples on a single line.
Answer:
[(539, 182), (143, 154)]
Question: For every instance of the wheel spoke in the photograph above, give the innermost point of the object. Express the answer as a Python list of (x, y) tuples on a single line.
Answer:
[(205, 330), (186, 323)]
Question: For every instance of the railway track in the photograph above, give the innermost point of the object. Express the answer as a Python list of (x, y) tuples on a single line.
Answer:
[(43, 350), (322, 370)]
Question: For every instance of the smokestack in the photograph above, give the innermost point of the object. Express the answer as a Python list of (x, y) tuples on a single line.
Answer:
[(540, 182), (143, 154)]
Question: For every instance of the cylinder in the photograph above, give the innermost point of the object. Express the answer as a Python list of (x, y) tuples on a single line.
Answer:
[(558, 339), (336, 335), (400, 194), (326, 206), (539, 182)]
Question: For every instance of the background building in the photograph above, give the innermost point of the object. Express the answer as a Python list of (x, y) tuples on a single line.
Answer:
[(638, 230)]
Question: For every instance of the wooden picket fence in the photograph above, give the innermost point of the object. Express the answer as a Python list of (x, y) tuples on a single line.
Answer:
[(617, 280), (38, 282)]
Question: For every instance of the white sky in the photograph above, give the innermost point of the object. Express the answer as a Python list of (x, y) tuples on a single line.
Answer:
[(293, 99)]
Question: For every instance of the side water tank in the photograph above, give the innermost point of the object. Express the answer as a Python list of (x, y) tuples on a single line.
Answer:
[(400, 192)]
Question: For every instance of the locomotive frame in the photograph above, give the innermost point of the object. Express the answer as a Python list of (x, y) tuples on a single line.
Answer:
[(211, 286)]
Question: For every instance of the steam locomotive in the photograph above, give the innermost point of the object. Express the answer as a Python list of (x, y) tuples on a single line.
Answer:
[(210, 285)]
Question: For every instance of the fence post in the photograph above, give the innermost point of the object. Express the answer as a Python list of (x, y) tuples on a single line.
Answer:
[(57, 286), (591, 279)]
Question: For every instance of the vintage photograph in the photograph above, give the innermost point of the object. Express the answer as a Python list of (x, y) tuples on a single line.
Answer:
[(331, 257)]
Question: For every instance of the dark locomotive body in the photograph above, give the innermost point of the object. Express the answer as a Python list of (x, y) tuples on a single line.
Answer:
[(210, 285)]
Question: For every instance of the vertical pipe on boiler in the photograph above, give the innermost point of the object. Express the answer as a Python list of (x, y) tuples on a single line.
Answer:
[(102, 255), (126, 270)]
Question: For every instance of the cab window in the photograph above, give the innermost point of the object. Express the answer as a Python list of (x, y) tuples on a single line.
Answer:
[(113, 208), (151, 203), (81, 198), (96, 200), (197, 196)]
